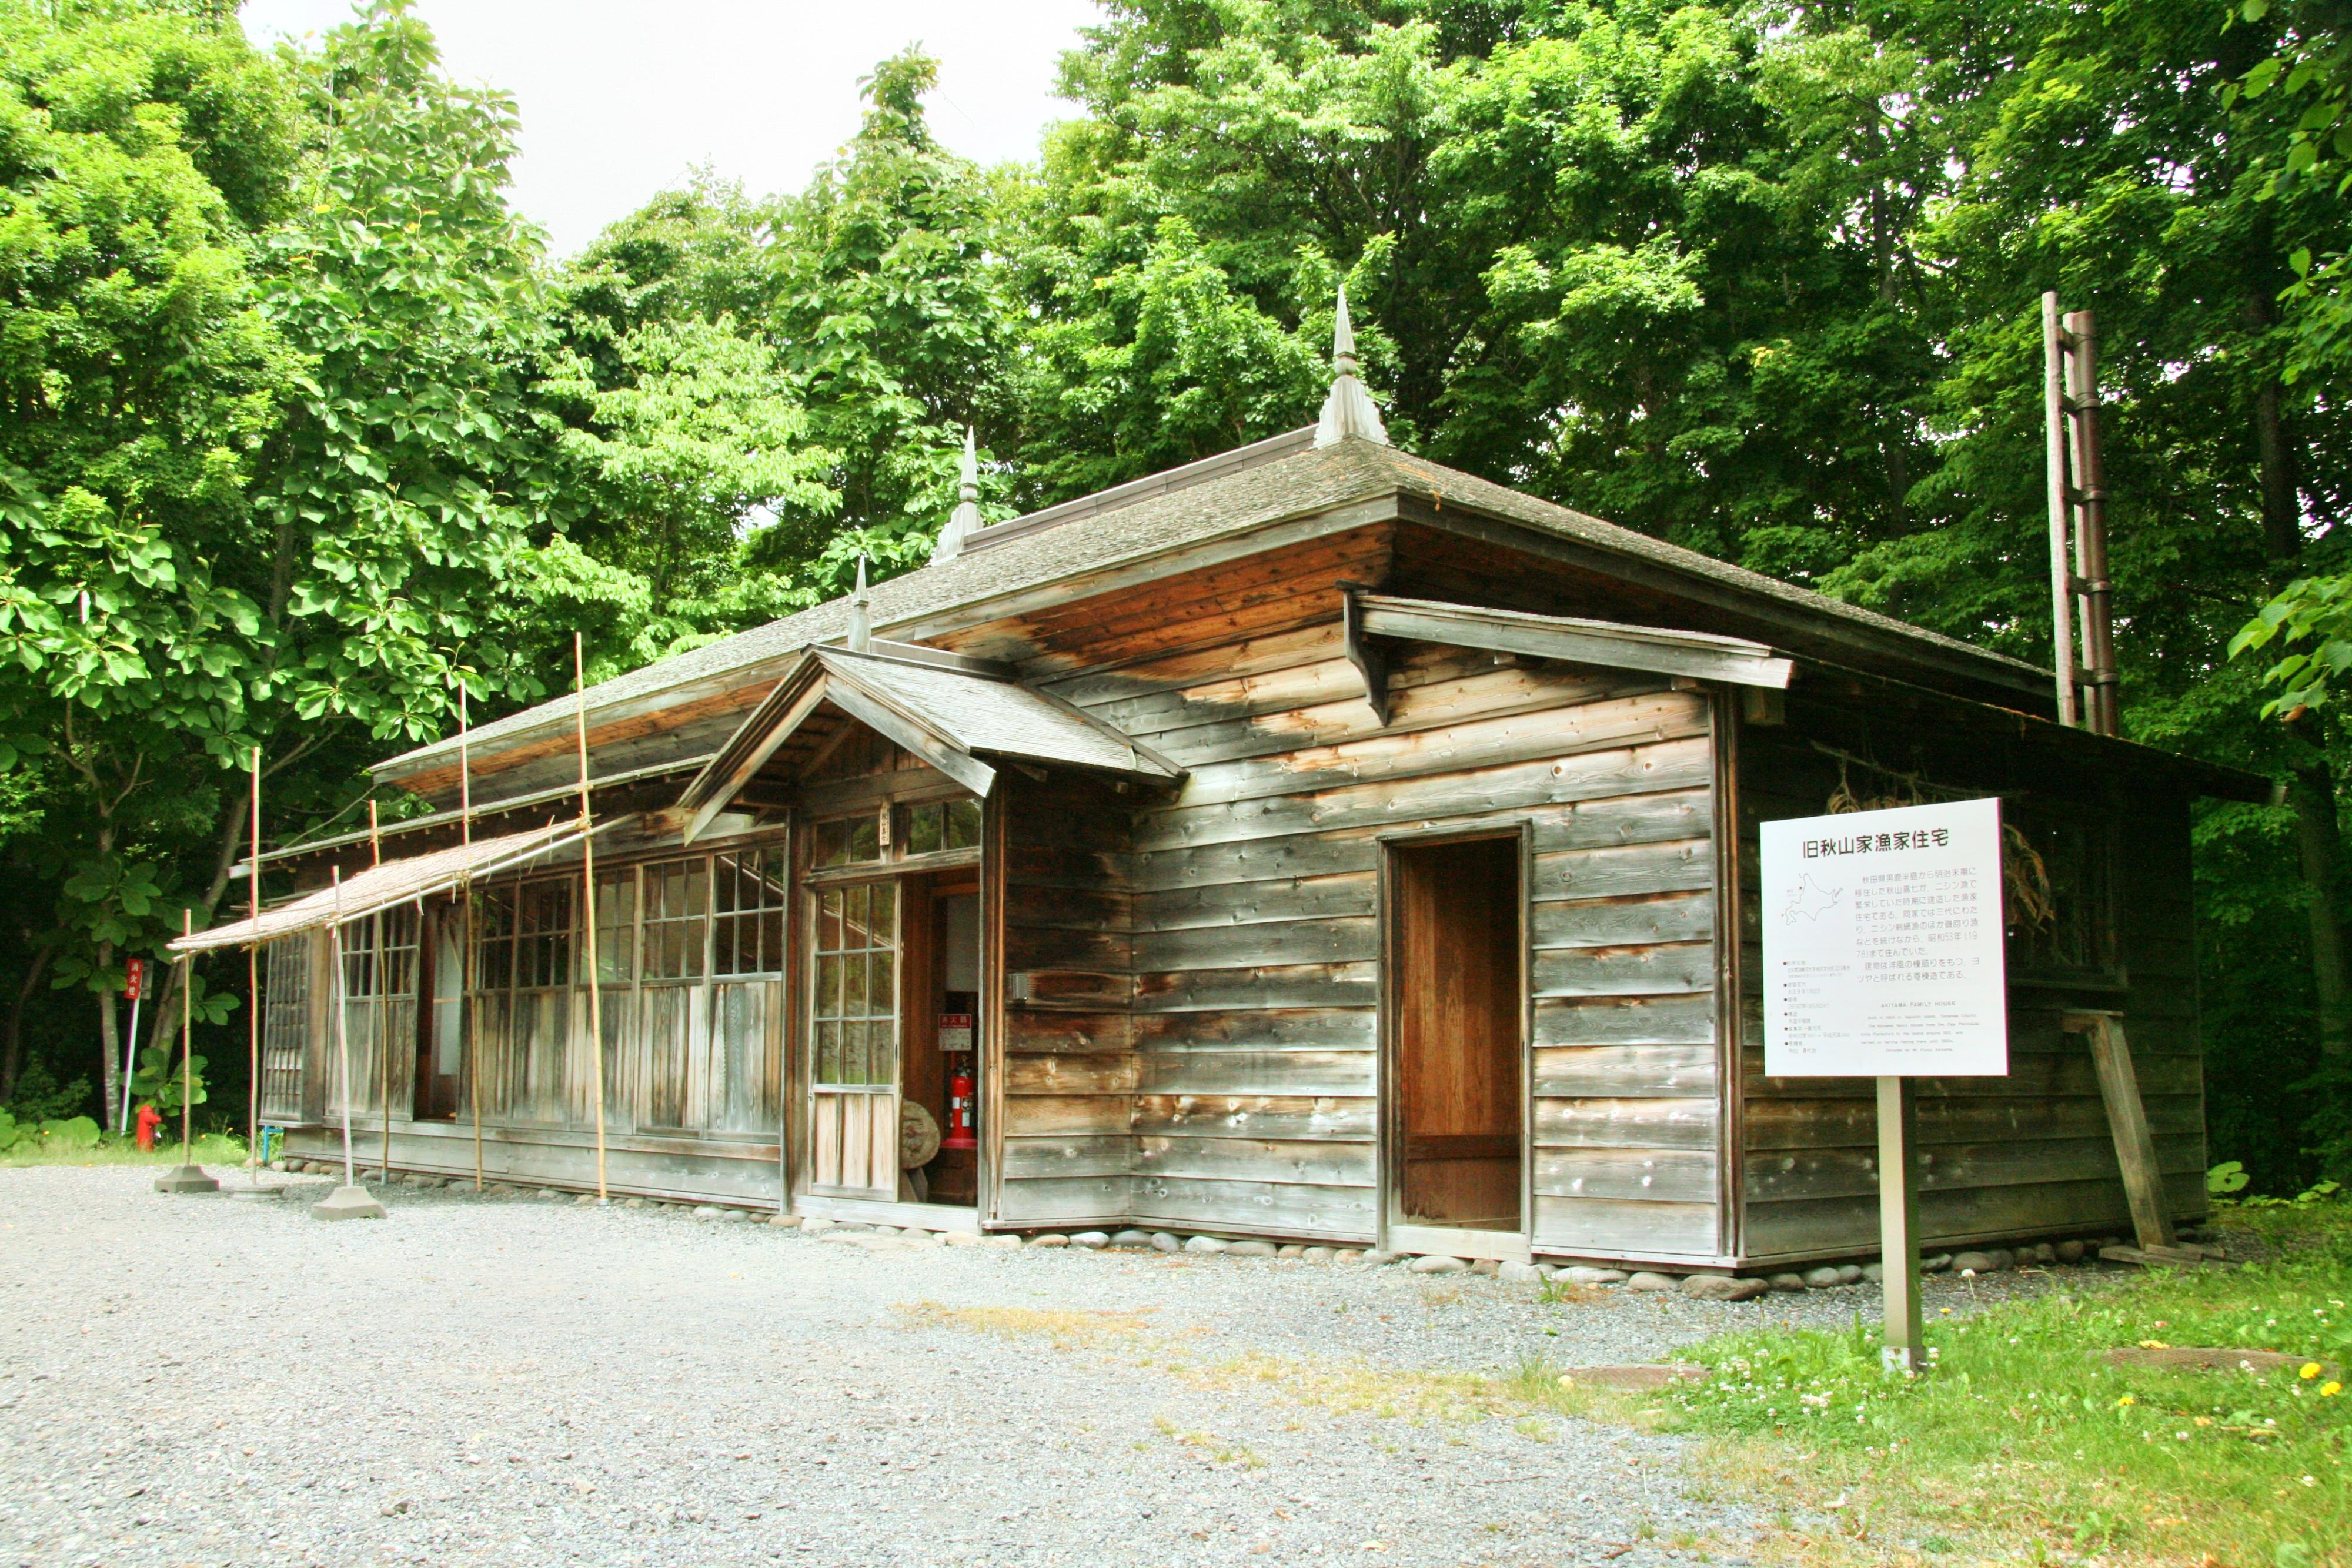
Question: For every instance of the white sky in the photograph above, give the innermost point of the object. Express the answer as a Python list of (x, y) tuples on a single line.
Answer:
[(619, 98)]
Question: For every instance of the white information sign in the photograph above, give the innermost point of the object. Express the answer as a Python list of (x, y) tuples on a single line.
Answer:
[(1883, 949)]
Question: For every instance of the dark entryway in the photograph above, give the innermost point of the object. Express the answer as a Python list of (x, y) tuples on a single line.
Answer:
[(1456, 990)]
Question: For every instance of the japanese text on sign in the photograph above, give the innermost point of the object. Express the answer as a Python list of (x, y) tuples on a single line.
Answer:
[(1883, 949)]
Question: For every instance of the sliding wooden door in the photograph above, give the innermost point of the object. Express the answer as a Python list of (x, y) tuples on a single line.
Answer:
[(854, 1041)]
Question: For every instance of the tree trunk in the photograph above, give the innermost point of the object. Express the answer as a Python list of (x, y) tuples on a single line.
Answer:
[(12, 1056), (2316, 836), (2281, 497), (109, 1043)]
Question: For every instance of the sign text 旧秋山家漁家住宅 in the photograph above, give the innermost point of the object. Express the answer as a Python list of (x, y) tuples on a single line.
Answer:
[(1883, 944)]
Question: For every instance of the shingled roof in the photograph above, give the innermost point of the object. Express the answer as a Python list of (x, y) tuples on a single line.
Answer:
[(1274, 481)]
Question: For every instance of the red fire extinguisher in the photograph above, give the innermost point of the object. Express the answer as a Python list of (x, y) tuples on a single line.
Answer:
[(960, 1094)]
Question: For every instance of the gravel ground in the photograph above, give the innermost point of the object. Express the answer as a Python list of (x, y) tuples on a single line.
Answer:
[(517, 1382)]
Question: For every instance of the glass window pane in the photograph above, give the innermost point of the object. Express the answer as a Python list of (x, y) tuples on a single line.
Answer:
[(854, 906), (828, 924), (853, 1000), (885, 926), (881, 1052), (828, 1054), (922, 829), (852, 1054), (831, 843), (881, 998), (963, 824), (826, 1004), (771, 941), (866, 839)]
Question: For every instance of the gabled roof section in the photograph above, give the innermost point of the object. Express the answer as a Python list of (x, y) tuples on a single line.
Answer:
[(1286, 480), (943, 709)]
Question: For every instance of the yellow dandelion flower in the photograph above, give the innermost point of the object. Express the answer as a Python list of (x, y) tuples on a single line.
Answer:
[(2127, 1399), (2330, 1389), (2310, 1370)]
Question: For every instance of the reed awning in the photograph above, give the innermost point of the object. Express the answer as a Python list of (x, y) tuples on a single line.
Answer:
[(383, 887)]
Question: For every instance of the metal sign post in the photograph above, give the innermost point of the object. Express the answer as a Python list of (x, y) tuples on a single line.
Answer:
[(1883, 958)]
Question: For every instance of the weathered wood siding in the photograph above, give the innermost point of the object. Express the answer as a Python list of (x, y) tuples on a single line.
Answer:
[(1256, 947), (1068, 1064), (2000, 1157)]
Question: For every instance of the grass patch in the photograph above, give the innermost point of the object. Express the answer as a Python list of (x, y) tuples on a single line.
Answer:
[(212, 1149), (1064, 1329), (2022, 1444)]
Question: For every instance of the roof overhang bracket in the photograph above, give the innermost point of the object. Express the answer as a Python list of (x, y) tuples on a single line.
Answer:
[(1371, 660)]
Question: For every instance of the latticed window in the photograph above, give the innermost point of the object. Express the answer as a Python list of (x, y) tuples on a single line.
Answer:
[(677, 911), (855, 1011), (942, 825), (390, 971), (526, 936), (617, 926), (848, 840), (748, 892)]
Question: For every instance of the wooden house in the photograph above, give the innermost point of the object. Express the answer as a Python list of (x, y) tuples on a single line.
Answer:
[(1310, 843)]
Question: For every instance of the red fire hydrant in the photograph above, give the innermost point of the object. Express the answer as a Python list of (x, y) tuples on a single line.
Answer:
[(150, 1119)]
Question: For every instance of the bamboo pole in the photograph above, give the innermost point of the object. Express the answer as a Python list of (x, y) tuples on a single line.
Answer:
[(466, 977), (252, 990), (588, 915), (382, 1004)]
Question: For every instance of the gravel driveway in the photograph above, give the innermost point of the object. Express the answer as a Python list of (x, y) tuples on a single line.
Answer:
[(515, 1382)]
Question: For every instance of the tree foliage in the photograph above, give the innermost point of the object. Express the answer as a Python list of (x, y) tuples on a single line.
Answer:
[(306, 428)]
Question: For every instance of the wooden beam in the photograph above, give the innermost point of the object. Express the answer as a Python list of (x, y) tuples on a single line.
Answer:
[(1658, 649), (2127, 1120), (715, 796), (1371, 660)]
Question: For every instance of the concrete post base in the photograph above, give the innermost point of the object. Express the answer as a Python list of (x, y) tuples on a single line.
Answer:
[(186, 1179), (347, 1203)]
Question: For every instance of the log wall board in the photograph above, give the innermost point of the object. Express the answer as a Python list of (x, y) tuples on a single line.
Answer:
[(1192, 731)]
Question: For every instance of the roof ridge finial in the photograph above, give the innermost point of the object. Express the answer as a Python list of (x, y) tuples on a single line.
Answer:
[(966, 519), (861, 629), (1349, 410)]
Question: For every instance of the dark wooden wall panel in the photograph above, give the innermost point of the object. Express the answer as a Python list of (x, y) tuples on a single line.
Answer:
[(2001, 1158)]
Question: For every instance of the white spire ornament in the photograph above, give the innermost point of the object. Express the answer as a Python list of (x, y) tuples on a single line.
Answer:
[(965, 522), (1348, 410), (861, 630)]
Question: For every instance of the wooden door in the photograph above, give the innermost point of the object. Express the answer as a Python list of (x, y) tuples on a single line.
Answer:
[(1459, 1099), (854, 1041)]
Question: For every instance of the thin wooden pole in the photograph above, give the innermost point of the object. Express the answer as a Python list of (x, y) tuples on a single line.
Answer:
[(343, 1030), (466, 963), (588, 916), (382, 1004), (1904, 1347), (252, 990)]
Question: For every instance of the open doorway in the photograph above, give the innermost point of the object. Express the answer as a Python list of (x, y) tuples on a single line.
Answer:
[(441, 1034), (943, 1010), (1456, 1085)]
